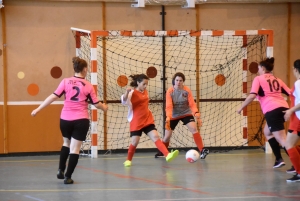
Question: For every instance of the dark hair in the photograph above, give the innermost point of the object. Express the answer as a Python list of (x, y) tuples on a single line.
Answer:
[(78, 64), (179, 74), (297, 65), (137, 78), (268, 63)]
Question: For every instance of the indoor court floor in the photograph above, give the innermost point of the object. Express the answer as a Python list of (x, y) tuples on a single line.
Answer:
[(235, 175)]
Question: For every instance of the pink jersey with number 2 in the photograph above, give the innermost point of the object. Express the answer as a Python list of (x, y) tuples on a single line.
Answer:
[(268, 89), (77, 92)]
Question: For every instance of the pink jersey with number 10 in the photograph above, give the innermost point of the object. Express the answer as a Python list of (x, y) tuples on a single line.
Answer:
[(268, 89), (78, 92)]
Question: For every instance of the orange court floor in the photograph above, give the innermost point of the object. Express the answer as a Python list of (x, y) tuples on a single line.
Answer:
[(234, 175)]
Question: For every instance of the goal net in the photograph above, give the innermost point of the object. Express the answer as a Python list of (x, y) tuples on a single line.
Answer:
[(219, 67)]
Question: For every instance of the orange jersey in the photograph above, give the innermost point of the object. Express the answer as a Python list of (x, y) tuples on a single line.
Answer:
[(180, 103), (139, 114)]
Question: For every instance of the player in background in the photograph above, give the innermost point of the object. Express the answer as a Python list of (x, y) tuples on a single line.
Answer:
[(293, 114), (180, 106), (141, 118), (268, 88), (74, 119)]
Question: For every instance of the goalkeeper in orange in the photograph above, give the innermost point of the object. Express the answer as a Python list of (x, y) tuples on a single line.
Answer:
[(180, 106)]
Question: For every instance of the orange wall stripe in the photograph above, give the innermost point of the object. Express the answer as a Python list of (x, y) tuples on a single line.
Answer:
[(95, 88), (244, 87), (149, 33), (245, 132), (94, 115), (77, 39), (195, 33), (245, 111), (126, 33), (240, 33), (172, 33), (95, 35), (218, 33), (245, 64), (245, 41), (270, 36), (94, 139), (94, 66)]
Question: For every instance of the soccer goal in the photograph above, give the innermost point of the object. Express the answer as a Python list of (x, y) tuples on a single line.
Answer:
[(219, 66)]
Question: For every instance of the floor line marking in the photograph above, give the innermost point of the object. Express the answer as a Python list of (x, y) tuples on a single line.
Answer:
[(91, 189), (120, 158), (142, 179), (33, 198), (211, 198)]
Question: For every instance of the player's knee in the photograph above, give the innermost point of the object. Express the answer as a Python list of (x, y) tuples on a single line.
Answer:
[(165, 140), (135, 142)]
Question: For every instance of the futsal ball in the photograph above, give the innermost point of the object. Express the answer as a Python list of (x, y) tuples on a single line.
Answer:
[(192, 156)]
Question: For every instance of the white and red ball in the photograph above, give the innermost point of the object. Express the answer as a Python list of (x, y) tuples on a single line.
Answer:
[(192, 156)]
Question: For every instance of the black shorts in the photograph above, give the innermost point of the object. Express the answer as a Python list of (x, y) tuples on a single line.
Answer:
[(76, 129), (275, 119), (185, 120), (292, 131), (146, 130)]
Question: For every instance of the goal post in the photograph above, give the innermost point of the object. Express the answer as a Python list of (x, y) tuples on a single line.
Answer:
[(219, 66)]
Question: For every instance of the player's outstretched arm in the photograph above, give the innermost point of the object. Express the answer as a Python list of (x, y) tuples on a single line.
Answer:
[(46, 102), (248, 100), (101, 106)]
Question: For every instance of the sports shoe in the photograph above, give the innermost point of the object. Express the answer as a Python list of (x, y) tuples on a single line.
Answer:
[(68, 180), (159, 155), (279, 163), (172, 155), (295, 178), (127, 163), (291, 170), (60, 174), (204, 153)]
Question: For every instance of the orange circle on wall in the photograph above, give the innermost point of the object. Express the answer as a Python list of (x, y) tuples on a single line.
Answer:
[(33, 89), (151, 72), (56, 72), (122, 80), (253, 67), (220, 80)]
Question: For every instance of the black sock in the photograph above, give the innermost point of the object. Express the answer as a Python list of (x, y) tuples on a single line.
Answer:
[(275, 147), (73, 160), (286, 151), (64, 153)]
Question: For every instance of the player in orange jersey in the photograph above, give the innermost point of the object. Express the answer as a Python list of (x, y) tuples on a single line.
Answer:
[(141, 118), (180, 106)]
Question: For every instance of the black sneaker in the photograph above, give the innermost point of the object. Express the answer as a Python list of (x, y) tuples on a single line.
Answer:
[(159, 155), (68, 180), (291, 170), (204, 153), (279, 163), (295, 178), (60, 174)]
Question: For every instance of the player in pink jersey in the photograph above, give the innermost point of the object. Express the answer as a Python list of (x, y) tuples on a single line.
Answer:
[(141, 118), (293, 135), (267, 88), (180, 106), (74, 119)]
